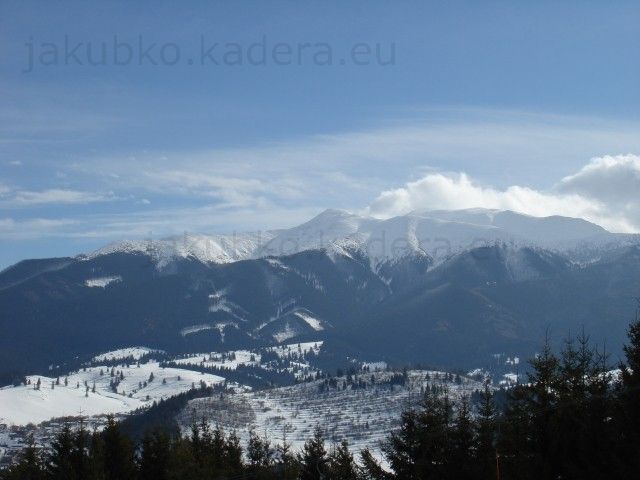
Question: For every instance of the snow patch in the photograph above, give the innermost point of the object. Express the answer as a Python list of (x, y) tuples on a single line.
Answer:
[(195, 329), (102, 282), (311, 321), (375, 366), (285, 334)]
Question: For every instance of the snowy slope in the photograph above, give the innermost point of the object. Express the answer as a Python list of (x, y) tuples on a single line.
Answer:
[(26, 404), (363, 416), (89, 392), (123, 353), (22, 405)]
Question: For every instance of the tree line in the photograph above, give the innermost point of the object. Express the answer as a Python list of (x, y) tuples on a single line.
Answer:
[(574, 418)]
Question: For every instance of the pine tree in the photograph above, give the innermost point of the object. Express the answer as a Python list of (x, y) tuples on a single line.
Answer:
[(371, 469), (217, 447), (569, 421), (462, 464), (118, 453), (153, 463), (421, 447), (233, 453), (628, 413), (259, 451), (485, 451), (196, 443), (313, 458), (341, 463), (287, 462), (59, 463), (260, 455), (80, 459), (542, 399)]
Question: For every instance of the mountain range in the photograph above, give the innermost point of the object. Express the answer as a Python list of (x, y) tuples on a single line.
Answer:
[(442, 288)]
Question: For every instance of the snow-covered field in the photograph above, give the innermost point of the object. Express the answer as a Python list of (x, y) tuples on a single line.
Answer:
[(101, 389), (27, 404), (23, 405), (131, 352)]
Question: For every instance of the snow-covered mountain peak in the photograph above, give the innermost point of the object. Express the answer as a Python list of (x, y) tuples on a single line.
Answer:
[(204, 248), (319, 232), (434, 233)]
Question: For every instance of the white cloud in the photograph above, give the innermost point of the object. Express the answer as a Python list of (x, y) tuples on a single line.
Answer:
[(231, 191), (24, 198), (605, 192), (349, 169), (611, 179), (510, 159), (34, 228)]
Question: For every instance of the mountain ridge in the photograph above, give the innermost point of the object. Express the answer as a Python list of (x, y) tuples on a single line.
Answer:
[(431, 233), (450, 308)]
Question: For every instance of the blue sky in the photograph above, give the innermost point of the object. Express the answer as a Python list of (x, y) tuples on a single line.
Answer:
[(481, 99)]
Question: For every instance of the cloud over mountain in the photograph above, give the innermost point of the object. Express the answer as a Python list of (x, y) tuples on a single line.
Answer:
[(604, 191)]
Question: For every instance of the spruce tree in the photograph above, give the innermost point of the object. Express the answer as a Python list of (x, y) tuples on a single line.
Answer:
[(118, 453), (153, 463), (628, 412), (462, 464), (287, 463), (233, 453), (80, 459), (59, 462), (371, 469), (313, 458), (259, 452), (218, 447), (485, 452), (421, 447), (542, 400), (341, 463)]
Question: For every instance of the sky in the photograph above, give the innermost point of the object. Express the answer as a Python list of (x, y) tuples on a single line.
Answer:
[(144, 119)]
